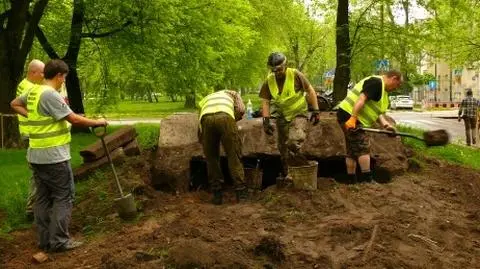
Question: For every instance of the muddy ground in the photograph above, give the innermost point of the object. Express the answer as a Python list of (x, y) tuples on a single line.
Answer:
[(427, 219)]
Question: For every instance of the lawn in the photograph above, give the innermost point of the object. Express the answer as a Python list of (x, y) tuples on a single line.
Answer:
[(144, 109)]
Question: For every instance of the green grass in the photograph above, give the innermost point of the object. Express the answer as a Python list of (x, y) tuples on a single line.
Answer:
[(138, 109), (452, 153), (144, 109), (15, 177)]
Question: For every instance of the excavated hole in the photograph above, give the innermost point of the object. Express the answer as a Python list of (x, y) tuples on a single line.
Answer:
[(271, 167)]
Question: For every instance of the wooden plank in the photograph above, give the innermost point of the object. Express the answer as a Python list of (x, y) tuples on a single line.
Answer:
[(132, 148), (87, 169), (114, 140)]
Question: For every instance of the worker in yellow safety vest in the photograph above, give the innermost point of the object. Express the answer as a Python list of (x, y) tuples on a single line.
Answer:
[(219, 112), (48, 154), (287, 90), (34, 77), (366, 103)]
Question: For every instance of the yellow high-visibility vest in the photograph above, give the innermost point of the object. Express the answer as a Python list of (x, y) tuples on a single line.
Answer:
[(217, 102), (45, 131), (372, 109), (22, 88), (289, 103)]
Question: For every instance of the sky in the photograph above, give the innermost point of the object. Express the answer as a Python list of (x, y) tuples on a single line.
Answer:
[(416, 12)]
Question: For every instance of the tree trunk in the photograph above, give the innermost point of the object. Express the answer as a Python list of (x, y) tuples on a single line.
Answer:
[(73, 90), (190, 101), (71, 57), (342, 70), (16, 37)]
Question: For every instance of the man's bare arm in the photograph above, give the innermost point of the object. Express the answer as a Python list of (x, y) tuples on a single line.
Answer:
[(81, 121), (265, 108), (19, 107), (312, 97)]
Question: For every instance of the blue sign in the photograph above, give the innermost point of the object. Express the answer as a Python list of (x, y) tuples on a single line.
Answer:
[(329, 74), (432, 84), (382, 65)]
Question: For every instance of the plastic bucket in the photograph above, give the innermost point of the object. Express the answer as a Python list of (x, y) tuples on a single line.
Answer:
[(304, 177), (253, 178)]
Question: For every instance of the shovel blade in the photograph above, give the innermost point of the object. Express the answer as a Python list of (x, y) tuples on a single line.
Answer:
[(436, 138)]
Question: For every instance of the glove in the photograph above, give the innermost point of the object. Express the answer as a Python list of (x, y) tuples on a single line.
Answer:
[(267, 126), (315, 117), (351, 123)]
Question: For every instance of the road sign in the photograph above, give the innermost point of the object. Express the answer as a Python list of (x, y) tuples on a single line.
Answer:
[(329, 74), (432, 84), (382, 65)]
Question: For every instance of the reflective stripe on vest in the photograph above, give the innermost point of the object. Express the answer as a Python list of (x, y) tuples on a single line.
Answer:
[(372, 109), (290, 104), (23, 87), (45, 131), (217, 102)]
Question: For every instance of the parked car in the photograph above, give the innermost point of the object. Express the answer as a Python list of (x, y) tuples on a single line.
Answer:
[(401, 101)]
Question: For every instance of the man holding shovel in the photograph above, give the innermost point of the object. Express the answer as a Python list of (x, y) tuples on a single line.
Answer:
[(366, 103), (285, 89), (49, 155)]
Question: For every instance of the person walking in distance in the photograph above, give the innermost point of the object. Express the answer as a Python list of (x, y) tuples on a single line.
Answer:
[(49, 155), (468, 110)]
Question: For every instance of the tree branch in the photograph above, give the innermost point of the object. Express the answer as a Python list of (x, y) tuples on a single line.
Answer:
[(37, 14), (3, 17), (109, 33), (47, 47)]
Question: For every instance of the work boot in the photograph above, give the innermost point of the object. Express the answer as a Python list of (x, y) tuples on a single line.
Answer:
[(351, 179), (71, 244), (242, 195), (217, 198), (367, 177)]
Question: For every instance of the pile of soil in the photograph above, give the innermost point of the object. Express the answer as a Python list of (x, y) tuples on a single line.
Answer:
[(427, 219)]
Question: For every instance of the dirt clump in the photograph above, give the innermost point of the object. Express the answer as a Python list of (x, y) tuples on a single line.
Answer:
[(272, 248)]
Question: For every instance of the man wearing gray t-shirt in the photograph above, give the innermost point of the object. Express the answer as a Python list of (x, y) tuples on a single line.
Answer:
[(49, 121)]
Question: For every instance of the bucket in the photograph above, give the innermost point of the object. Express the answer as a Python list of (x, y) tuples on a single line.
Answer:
[(126, 207), (304, 177), (253, 178)]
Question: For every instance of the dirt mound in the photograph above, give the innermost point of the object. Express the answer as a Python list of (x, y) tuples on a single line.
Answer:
[(427, 219)]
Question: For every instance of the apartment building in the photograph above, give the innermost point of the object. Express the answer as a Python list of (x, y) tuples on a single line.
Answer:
[(450, 85)]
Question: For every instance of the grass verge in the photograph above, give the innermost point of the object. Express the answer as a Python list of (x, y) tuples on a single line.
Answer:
[(453, 153)]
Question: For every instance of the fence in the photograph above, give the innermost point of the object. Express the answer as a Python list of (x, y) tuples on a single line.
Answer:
[(2, 126)]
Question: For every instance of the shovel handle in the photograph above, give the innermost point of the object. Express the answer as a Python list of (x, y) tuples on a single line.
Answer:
[(391, 133), (99, 131)]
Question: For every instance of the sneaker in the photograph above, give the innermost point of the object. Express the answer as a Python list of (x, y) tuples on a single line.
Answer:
[(71, 244)]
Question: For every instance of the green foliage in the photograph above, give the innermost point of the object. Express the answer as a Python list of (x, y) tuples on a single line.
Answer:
[(148, 135), (419, 79)]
